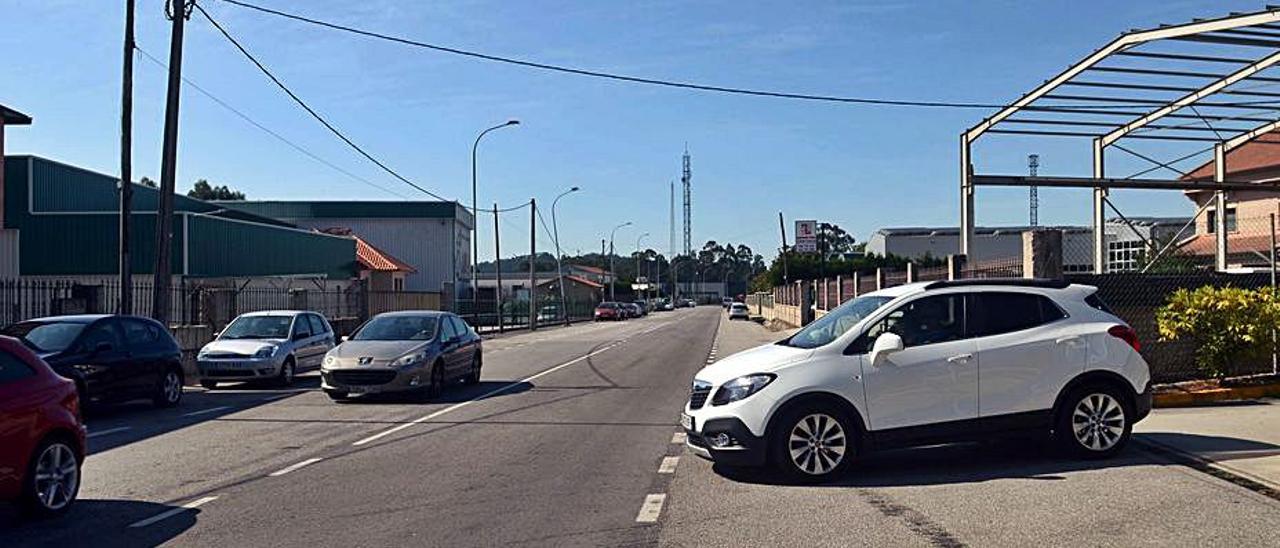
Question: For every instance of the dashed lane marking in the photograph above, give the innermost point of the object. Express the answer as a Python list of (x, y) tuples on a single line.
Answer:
[(652, 508), (109, 431), (172, 512), (668, 465), (293, 467), (679, 438), (207, 411)]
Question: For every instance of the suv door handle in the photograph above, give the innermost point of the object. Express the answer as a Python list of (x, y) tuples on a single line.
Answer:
[(962, 358), (1067, 340)]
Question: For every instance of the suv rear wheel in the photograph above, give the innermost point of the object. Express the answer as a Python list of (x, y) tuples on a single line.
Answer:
[(1094, 421), (813, 444)]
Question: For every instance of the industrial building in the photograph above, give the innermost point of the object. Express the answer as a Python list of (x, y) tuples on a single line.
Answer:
[(432, 237), (61, 220)]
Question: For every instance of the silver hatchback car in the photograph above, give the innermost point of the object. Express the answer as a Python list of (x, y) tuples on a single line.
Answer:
[(272, 345)]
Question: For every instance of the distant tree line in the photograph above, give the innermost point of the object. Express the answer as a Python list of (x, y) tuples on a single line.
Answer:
[(202, 190)]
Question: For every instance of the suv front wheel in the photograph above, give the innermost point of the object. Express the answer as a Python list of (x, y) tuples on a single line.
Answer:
[(1094, 421), (813, 444)]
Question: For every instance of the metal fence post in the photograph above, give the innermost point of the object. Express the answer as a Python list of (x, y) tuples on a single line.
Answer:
[(911, 272), (839, 290), (879, 278)]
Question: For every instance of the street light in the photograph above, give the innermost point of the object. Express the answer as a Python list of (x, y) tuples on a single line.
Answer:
[(555, 235), (642, 236), (612, 278), (475, 244)]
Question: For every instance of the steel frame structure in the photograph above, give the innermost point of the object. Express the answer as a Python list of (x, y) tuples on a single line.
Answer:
[(1209, 108)]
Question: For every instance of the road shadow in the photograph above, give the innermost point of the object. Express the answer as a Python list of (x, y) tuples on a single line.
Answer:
[(95, 522), (453, 393), (995, 460), (117, 425)]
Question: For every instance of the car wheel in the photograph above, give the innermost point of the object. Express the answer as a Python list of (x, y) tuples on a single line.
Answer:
[(209, 385), (287, 371), (436, 387), (169, 389), (813, 444), (474, 376), (53, 479), (1094, 422)]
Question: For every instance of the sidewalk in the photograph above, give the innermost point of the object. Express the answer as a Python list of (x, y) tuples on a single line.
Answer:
[(1241, 438)]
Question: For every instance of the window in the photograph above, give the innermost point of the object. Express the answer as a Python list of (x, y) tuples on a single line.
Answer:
[(397, 284), (317, 325), (460, 326), (397, 328), (1231, 220), (301, 327), (1095, 301), (13, 369), (103, 332), (1123, 256), (930, 320), (449, 330), (993, 313), (140, 333), (836, 323)]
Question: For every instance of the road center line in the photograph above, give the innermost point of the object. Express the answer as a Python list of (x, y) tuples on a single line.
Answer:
[(293, 467), (668, 465), (172, 512), (206, 411), (109, 431), (651, 508), (679, 438)]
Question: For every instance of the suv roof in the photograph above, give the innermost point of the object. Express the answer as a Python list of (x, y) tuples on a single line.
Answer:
[(1016, 282)]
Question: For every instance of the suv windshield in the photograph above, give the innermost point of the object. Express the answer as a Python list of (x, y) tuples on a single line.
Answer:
[(398, 328), (836, 323), (46, 336), (258, 327)]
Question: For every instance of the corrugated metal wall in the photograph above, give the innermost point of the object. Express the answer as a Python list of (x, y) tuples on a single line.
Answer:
[(423, 243), (224, 248)]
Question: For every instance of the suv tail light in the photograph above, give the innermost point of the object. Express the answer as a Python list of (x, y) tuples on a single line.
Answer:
[(1126, 334)]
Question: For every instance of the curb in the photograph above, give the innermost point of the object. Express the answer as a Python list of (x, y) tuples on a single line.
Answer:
[(1206, 397), (1262, 486)]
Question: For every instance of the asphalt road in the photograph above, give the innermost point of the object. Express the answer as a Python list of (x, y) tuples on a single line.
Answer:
[(571, 439)]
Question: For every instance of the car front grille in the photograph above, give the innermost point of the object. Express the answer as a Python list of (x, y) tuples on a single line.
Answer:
[(698, 396), (362, 377), (225, 356)]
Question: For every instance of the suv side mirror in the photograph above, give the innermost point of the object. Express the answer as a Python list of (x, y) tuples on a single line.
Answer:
[(886, 343)]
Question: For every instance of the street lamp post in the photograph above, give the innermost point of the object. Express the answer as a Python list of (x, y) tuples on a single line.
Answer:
[(612, 277), (475, 244), (555, 235), (642, 236)]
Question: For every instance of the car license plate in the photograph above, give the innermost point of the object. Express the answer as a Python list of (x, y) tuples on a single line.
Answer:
[(686, 421)]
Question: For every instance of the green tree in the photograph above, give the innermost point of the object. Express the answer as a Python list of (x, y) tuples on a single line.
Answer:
[(147, 183), (1227, 324), (202, 190)]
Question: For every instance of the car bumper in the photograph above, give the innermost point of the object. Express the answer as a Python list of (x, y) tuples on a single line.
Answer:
[(374, 381), (240, 369), (744, 449), (1142, 404)]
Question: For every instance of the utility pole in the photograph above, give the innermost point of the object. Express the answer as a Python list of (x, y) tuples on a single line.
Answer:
[(533, 256), (168, 167), (783, 227), (126, 162), (497, 272)]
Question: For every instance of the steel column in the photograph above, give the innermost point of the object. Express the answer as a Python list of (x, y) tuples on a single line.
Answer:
[(966, 196), (1099, 210), (1220, 205)]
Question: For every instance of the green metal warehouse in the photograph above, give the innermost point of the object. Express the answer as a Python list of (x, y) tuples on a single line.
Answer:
[(61, 220)]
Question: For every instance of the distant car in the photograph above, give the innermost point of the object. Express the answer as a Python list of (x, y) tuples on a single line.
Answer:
[(549, 313), (271, 345), (42, 438), (413, 351), (688, 303), (111, 358), (667, 305), (642, 307), (725, 302), (635, 310), (609, 310), (738, 311)]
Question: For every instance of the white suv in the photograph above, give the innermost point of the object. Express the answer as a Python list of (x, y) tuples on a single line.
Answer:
[(921, 364)]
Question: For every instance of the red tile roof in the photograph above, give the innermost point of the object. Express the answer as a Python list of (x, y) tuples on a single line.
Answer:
[(1206, 244), (1261, 153), (372, 258), (585, 282)]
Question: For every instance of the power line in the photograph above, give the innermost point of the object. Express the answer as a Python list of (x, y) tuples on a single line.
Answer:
[(310, 110), (635, 79), (267, 130)]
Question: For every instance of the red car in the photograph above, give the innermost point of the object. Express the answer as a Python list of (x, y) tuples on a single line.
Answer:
[(609, 311), (42, 438)]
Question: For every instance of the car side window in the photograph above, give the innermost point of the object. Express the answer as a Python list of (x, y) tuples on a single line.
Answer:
[(930, 320), (140, 334), (102, 332), (317, 326), (301, 326), (461, 326), (994, 312), (13, 369), (447, 329)]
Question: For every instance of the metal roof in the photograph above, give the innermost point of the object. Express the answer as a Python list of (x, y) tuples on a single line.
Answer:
[(14, 118), (289, 209)]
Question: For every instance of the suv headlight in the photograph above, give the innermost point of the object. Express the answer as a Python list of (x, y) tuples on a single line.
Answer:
[(741, 387), (409, 359), (266, 352)]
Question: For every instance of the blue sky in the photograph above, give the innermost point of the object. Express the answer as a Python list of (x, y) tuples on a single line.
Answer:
[(861, 167)]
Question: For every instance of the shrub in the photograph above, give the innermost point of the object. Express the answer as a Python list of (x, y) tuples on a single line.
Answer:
[(1227, 324)]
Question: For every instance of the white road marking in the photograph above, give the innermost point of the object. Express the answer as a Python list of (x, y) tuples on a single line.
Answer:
[(109, 431), (651, 508), (172, 512), (206, 411), (500, 389), (293, 467), (679, 438), (668, 465)]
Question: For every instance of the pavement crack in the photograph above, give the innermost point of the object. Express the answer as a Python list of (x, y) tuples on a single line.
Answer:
[(917, 522)]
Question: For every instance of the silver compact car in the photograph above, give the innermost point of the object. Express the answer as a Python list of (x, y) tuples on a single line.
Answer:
[(272, 345), (413, 351)]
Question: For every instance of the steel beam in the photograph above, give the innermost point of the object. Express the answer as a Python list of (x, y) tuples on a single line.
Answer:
[(1099, 210), (1193, 97), (1154, 87), (1095, 135), (1088, 123), (1220, 203), (978, 180), (1185, 57), (1246, 105)]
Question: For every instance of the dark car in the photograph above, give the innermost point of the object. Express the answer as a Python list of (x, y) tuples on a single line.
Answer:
[(42, 439), (410, 351), (112, 359)]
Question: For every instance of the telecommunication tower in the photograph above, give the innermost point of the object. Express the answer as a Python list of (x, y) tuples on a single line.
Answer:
[(686, 180), (1033, 166)]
